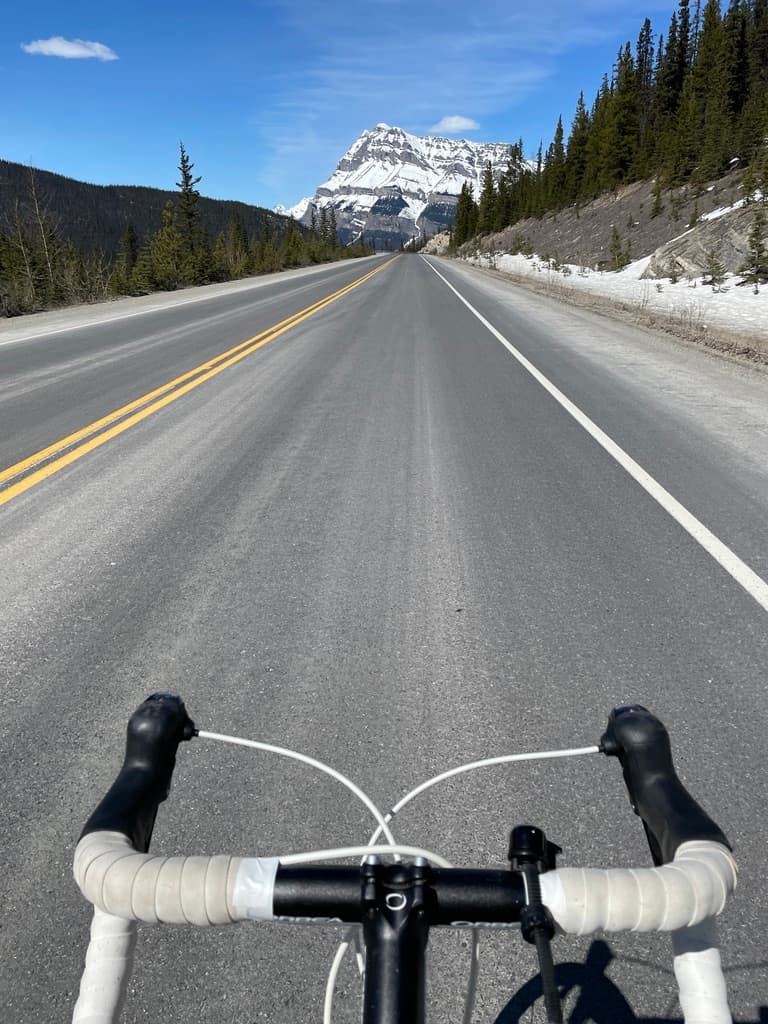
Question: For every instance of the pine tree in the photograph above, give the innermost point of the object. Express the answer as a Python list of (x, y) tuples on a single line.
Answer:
[(736, 57), (219, 270), (755, 269), (553, 183), (644, 77), (487, 206), (501, 214), (576, 152), (685, 43), (714, 269), (292, 250), (668, 87), (708, 89), (189, 232), (127, 254), (142, 279), (238, 256), (621, 128), (167, 253), (466, 216)]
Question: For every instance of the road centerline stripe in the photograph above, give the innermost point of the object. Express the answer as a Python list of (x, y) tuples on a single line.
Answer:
[(72, 447), (746, 577)]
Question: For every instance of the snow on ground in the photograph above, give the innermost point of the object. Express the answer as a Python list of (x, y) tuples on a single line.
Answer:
[(735, 308)]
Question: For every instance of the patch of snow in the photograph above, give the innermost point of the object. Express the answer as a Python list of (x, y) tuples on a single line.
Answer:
[(722, 210), (732, 306)]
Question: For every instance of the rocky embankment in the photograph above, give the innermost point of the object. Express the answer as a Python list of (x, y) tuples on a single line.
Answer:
[(680, 228)]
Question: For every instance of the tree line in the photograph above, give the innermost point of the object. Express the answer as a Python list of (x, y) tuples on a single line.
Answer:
[(40, 268), (679, 108)]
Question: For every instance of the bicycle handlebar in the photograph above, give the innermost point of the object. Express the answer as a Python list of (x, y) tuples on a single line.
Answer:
[(219, 890), (125, 883)]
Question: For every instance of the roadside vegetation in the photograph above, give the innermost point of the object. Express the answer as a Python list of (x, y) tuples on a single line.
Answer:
[(42, 269), (681, 109)]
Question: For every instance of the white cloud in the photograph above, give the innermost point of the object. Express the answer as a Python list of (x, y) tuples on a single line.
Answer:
[(71, 49), (455, 123)]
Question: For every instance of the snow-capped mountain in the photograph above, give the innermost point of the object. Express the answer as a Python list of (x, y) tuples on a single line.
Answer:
[(392, 186)]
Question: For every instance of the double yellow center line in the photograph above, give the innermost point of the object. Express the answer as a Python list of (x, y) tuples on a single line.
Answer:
[(23, 475)]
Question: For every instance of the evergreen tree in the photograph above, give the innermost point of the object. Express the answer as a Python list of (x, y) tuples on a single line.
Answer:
[(644, 80), (714, 269), (466, 216), (219, 267), (501, 214), (685, 44), (142, 279), (553, 177), (577, 152), (486, 212), (621, 129), (597, 144), (292, 251), (189, 231), (237, 250), (710, 85), (668, 88), (127, 254), (755, 269), (167, 253), (736, 57)]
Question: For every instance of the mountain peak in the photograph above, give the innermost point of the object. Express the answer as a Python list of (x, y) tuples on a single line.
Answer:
[(392, 186)]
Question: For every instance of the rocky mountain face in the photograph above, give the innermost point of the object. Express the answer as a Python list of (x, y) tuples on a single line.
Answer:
[(392, 186)]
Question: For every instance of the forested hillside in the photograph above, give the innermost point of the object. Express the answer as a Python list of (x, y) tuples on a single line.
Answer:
[(683, 107), (64, 241), (96, 216)]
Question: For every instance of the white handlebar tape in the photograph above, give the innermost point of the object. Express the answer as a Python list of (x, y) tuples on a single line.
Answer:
[(222, 889), (693, 887), (699, 974), (172, 890), (107, 969)]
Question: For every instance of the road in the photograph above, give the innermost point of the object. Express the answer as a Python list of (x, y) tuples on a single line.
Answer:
[(376, 538)]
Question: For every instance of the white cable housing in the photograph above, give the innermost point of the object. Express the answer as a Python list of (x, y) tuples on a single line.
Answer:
[(699, 974), (343, 852), (321, 766), (107, 969), (693, 887)]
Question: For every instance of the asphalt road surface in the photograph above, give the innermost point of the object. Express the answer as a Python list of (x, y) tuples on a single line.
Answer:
[(370, 534)]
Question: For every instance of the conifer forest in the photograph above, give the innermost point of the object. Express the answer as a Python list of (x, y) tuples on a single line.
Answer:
[(42, 269), (680, 107)]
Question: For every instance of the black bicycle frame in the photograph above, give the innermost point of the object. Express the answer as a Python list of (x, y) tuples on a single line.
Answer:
[(397, 904)]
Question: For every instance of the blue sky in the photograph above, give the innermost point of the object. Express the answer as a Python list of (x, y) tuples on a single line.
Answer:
[(267, 96)]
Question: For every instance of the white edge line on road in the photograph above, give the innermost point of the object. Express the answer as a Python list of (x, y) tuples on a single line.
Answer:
[(754, 585)]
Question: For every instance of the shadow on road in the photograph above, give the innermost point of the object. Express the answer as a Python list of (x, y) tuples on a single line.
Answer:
[(590, 995)]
